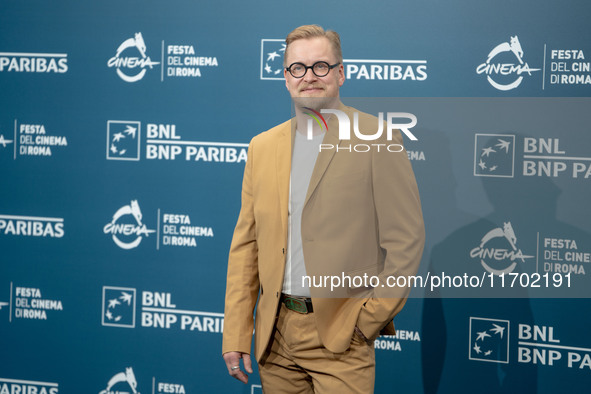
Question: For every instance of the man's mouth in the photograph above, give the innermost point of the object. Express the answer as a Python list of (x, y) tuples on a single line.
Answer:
[(311, 89)]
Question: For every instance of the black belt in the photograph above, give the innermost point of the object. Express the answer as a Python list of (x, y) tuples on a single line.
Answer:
[(297, 304)]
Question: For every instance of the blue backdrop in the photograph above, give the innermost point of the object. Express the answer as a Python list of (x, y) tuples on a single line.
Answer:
[(123, 135)]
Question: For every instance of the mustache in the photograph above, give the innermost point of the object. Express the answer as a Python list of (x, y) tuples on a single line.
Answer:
[(311, 86)]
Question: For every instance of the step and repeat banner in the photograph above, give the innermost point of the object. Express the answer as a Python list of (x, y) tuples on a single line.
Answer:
[(124, 128)]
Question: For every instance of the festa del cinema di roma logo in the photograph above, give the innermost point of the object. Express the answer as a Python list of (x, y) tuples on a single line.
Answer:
[(127, 63), (122, 380), (505, 76), (501, 260), (125, 382), (345, 129), (126, 227)]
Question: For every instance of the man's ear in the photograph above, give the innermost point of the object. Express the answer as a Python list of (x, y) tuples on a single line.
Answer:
[(341, 74), (285, 76)]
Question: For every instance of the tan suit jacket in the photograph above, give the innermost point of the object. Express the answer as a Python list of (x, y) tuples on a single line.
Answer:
[(362, 215)]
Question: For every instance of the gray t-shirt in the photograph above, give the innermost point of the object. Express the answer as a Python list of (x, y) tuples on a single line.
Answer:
[(303, 159)]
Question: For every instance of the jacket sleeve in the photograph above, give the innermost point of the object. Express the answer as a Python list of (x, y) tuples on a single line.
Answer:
[(401, 235), (242, 285)]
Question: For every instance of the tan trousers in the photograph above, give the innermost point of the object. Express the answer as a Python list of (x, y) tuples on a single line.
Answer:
[(297, 362)]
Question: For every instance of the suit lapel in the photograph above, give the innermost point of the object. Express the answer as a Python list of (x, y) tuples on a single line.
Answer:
[(283, 159), (324, 157)]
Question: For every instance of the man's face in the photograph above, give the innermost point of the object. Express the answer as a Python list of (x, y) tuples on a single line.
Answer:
[(322, 91)]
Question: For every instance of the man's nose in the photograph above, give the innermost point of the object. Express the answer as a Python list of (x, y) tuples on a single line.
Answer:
[(309, 76)]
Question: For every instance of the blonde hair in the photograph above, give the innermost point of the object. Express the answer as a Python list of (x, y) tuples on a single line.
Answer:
[(312, 31)]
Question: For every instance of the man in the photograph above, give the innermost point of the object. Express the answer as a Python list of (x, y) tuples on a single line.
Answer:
[(306, 213)]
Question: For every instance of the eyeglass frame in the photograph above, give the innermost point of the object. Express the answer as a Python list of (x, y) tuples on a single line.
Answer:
[(330, 67)]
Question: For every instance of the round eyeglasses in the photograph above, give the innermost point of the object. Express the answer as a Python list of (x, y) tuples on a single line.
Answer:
[(320, 69)]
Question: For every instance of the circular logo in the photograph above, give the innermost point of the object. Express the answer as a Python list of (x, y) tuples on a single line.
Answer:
[(505, 76), (126, 227), (132, 68), (494, 255)]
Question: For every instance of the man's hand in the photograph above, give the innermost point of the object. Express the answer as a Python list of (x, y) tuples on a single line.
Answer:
[(362, 335), (232, 360)]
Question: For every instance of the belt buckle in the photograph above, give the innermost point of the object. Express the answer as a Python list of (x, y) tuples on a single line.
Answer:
[(296, 305)]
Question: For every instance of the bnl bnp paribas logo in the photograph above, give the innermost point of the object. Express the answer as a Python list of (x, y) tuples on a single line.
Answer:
[(123, 140), (118, 306), (489, 340), (273, 51), (28, 62), (155, 310), (494, 155), (539, 345), (164, 142), (504, 67), (20, 386), (498, 252)]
